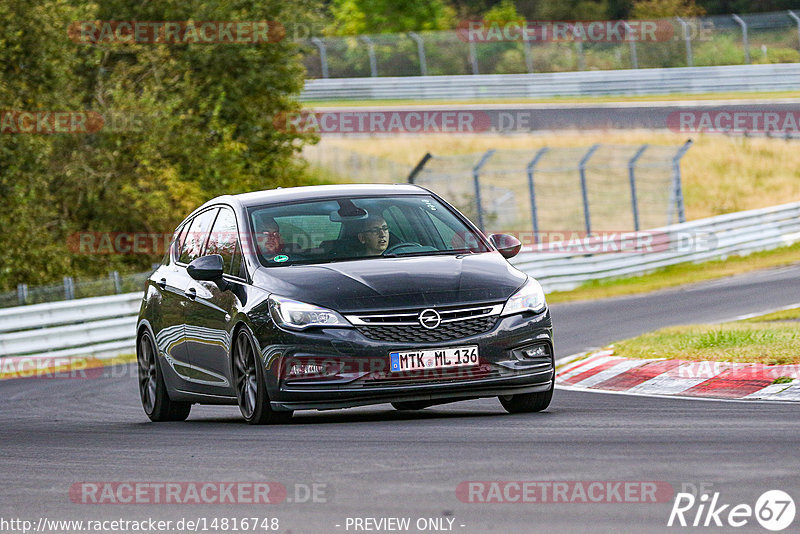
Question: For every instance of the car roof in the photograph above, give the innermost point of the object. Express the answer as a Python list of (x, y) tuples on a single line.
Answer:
[(315, 192)]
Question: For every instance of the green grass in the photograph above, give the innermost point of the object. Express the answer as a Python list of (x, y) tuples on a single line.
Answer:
[(783, 380), (677, 275), (763, 339), (760, 95)]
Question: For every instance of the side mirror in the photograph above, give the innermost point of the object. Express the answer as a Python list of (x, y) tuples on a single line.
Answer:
[(507, 245), (209, 268)]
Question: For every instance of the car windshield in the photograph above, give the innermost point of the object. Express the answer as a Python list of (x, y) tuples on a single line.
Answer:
[(359, 228)]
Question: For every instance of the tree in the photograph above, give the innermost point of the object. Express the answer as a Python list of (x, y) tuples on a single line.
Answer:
[(196, 122), (356, 17)]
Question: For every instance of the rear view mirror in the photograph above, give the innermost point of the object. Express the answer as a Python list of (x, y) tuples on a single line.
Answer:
[(208, 268), (507, 245)]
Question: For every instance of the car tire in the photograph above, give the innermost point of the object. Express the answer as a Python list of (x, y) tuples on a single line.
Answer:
[(152, 389), (251, 387), (411, 405), (527, 402)]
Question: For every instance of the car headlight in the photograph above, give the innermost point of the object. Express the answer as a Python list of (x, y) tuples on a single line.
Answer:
[(299, 315), (530, 297)]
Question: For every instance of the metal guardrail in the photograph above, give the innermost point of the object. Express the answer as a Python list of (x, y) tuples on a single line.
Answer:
[(560, 266), (105, 326), (96, 326), (692, 80)]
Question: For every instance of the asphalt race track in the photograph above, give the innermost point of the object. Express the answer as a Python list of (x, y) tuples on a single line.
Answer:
[(375, 462)]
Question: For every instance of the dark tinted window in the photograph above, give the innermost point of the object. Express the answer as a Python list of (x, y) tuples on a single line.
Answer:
[(196, 236), (223, 239)]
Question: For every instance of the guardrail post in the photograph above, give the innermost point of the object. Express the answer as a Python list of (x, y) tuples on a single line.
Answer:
[(797, 20), (423, 63), (687, 38), (745, 41), (584, 192), (529, 169), (69, 288), (373, 62), (116, 281), (473, 57), (526, 47), (676, 177), (632, 179), (418, 168), (323, 55), (632, 42), (476, 181), (22, 294)]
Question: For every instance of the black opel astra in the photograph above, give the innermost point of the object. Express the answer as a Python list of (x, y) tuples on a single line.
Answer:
[(337, 296)]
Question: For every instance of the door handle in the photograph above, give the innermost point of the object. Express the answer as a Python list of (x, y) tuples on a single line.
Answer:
[(162, 283), (191, 293)]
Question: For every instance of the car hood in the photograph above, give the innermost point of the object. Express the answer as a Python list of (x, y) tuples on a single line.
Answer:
[(391, 283)]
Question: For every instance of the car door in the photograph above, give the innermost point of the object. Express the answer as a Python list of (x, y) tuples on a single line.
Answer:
[(168, 322), (193, 246), (209, 312)]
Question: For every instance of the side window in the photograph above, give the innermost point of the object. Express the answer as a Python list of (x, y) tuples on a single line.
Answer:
[(223, 239), (399, 224), (447, 234), (196, 236), (174, 251)]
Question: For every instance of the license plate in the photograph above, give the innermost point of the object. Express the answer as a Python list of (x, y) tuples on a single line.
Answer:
[(445, 358)]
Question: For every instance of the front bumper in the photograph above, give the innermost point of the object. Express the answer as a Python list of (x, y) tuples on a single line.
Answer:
[(362, 375)]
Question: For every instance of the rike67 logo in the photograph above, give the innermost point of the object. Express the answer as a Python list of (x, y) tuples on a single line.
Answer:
[(774, 510)]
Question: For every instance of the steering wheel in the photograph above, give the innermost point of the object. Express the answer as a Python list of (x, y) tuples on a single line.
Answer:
[(401, 245)]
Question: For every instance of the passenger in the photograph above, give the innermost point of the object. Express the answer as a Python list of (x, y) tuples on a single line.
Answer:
[(270, 240), (374, 235)]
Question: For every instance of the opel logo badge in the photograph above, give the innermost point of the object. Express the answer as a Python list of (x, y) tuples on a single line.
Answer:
[(429, 319)]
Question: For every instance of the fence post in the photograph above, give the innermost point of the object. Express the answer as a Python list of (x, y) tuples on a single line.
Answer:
[(529, 169), (632, 43), (688, 40), (22, 294), (323, 55), (116, 281), (418, 168), (632, 178), (676, 174), (69, 288), (473, 57), (797, 20), (423, 63), (476, 181), (584, 192), (526, 47), (579, 50), (373, 62), (745, 41)]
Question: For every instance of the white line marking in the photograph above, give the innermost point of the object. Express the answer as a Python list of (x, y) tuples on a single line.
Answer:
[(757, 314)]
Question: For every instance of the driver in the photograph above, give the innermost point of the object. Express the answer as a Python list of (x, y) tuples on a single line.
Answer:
[(374, 235)]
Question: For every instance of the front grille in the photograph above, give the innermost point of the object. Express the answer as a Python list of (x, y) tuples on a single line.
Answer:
[(418, 334)]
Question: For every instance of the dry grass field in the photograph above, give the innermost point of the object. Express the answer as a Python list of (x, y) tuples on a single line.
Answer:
[(720, 174)]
